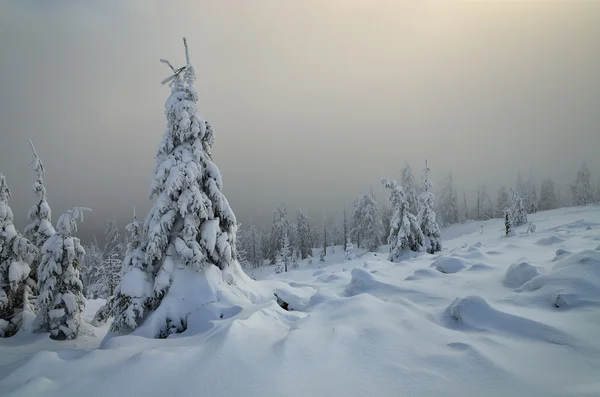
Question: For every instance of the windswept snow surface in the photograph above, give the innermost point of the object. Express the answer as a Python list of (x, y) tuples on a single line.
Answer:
[(488, 316)]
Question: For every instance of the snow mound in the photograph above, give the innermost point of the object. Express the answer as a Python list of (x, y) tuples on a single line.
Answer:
[(551, 240), (479, 267), (474, 313), (421, 274), (560, 252), (471, 253), (450, 264), (573, 282), (519, 273)]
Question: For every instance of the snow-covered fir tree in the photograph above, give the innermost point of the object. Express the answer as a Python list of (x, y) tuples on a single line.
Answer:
[(581, 188), (92, 273), (386, 218), (325, 241), (39, 224), (432, 236), (112, 259), (253, 248), (519, 214), (405, 233), (133, 295), (448, 204), (410, 188), (350, 252), (484, 208), (191, 228), (16, 255), (547, 195), (503, 200), (303, 237), (285, 254), (279, 229), (60, 301), (521, 189), (366, 222), (345, 225), (464, 213), (507, 221), (242, 255)]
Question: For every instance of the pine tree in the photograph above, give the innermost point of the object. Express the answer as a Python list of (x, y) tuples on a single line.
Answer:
[(16, 255), (531, 194), (92, 272), (448, 205), (303, 240), (345, 224), (325, 235), (519, 215), (507, 221), (547, 195), (112, 256), (465, 208), (191, 224), (405, 233), (386, 218), (432, 236), (39, 225), (410, 189), (279, 229), (285, 254), (522, 190), (61, 301), (367, 226), (350, 253), (581, 188), (485, 208), (503, 200), (253, 247), (133, 296)]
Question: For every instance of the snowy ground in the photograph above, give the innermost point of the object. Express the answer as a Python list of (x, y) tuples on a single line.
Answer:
[(490, 316)]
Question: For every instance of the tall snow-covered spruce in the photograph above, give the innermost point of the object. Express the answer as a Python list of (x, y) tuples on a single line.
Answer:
[(60, 300), (405, 233), (426, 216), (16, 255), (39, 225), (190, 248)]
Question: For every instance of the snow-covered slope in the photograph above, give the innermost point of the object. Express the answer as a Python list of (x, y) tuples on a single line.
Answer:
[(491, 316)]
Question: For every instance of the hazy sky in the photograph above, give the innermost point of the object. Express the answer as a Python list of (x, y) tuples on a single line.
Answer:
[(312, 101)]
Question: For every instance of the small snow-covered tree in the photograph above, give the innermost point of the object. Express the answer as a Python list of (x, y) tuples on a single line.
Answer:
[(367, 226), (133, 296), (507, 221), (39, 224), (60, 301), (405, 233), (519, 215), (432, 236), (303, 238), (279, 229), (112, 256), (448, 204), (350, 253), (547, 195), (285, 253), (532, 199), (581, 188), (503, 200), (253, 248), (410, 188), (521, 189), (485, 208), (16, 255)]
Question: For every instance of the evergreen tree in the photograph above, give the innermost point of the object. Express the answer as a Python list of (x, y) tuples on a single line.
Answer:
[(507, 221), (465, 208), (16, 255), (325, 235), (133, 295), (432, 236), (61, 301), (112, 256), (367, 226), (279, 229), (285, 254), (503, 200), (39, 225), (386, 218), (531, 194), (345, 225), (93, 273), (581, 188), (253, 247), (409, 186), (303, 240), (547, 195), (190, 225), (448, 206), (350, 253), (485, 209), (522, 190), (519, 215), (405, 233)]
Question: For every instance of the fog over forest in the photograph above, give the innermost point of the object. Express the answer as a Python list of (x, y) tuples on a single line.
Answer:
[(312, 102)]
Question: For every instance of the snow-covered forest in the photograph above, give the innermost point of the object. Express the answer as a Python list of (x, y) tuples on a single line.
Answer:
[(420, 285)]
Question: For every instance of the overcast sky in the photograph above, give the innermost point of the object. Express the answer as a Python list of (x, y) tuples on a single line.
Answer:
[(312, 101)]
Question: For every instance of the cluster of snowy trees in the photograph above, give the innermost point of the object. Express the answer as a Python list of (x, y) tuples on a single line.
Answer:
[(40, 283)]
